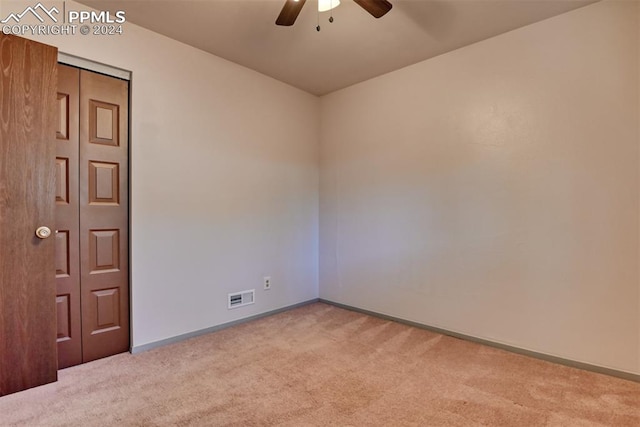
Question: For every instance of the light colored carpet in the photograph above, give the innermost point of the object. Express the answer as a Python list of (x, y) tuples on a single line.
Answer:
[(322, 365)]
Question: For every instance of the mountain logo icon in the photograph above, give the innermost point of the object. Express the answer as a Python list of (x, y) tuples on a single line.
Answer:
[(38, 11)]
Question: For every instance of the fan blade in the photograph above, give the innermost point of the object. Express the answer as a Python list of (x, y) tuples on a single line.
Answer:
[(378, 8), (290, 12)]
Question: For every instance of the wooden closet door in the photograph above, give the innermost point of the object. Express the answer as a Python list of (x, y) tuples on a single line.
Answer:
[(28, 79), (68, 218), (104, 259)]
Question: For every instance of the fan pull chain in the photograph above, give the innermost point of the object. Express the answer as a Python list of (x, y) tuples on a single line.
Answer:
[(331, 12), (330, 16)]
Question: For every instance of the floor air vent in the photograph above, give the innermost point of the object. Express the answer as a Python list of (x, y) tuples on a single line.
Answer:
[(243, 298)]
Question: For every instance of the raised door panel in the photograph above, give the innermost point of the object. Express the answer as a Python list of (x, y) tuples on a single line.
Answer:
[(64, 318), (67, 218), (103, 123), (104, 251), (104, 215), (63, 258), (103, 183), (62, 180), (27, 192), (62, 131)]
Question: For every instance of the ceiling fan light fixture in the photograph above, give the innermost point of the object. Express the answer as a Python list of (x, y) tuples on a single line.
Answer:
[(325, 5)]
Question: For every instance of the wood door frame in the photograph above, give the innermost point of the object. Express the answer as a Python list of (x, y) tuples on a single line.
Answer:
[(119, 73)]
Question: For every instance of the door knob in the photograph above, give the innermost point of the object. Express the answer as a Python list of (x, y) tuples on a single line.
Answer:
[(43, 232)]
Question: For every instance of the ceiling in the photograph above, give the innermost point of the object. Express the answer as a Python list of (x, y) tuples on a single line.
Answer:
[(354, 48)]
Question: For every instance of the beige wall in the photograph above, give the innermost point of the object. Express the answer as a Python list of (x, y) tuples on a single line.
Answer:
[(493, 190), (224, 182)]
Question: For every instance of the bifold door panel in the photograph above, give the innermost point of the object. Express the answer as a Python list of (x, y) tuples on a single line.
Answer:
[(68, 218), (92, 216)]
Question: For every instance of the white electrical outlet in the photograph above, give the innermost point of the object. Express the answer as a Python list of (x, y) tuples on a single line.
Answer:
[(267, 283)]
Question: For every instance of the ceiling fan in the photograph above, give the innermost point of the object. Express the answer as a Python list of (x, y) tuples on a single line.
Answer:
[(292, 8)]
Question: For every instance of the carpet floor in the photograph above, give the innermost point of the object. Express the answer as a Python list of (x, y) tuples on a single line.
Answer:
[(320, 365)]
